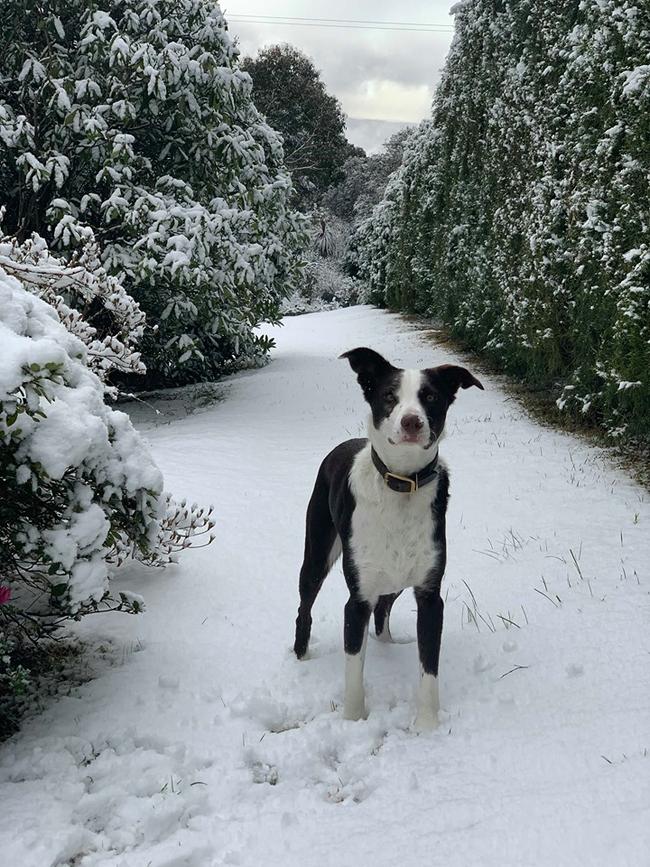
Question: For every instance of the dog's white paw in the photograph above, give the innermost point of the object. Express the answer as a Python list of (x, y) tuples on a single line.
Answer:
[(355, 711), (428, 704), (426, 721)]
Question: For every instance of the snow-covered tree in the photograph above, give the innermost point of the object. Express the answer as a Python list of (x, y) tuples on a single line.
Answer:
[(131, 117), (288, 90), (365, 178), (520, 213)]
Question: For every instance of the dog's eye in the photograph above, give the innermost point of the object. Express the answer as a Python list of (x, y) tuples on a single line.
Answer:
[(389, 395), (429, 398)]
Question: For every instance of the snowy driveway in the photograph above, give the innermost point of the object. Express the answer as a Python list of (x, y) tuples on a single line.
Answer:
[(206, 743)]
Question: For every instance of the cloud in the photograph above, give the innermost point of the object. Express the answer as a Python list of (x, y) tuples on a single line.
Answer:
[(370, 134), (378, 75), (389, 101)]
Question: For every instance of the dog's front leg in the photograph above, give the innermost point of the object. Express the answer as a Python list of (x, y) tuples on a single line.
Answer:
[(355, 635), (429, 629)]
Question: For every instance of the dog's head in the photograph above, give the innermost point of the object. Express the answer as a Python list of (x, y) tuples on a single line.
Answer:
[(409, 407)]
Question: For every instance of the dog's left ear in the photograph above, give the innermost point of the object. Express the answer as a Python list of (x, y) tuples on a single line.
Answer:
[(450, 377)]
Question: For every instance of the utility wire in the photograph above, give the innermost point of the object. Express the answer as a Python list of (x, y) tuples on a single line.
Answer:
[(344, 20), (343, 26), (350, 24)]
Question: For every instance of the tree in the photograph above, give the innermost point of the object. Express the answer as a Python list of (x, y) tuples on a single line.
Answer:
[(365, 178), (133, 118), (288, 90)]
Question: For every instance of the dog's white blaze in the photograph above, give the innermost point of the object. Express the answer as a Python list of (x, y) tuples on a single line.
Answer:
[(392, 533), (428, 703), (354, 706), (408, 400), (408, 403)]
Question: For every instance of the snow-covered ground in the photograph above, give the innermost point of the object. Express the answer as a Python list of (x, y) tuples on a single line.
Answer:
[(207, 743)]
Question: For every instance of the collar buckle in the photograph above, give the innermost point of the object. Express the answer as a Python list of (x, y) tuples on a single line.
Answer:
[(413, 483)]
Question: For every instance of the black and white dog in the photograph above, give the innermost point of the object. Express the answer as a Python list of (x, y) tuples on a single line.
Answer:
[(382, 502)]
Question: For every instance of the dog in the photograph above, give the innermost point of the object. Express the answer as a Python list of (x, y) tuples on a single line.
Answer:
[(381, 502)]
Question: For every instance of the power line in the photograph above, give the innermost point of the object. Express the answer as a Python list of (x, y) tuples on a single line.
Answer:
[(343, 26), (350, 24), (344, 20)]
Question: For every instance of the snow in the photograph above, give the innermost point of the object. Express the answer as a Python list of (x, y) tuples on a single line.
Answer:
[(206, 743), (635, 79)]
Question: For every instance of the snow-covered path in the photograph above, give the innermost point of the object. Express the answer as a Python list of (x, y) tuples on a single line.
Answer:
[(207, 743)]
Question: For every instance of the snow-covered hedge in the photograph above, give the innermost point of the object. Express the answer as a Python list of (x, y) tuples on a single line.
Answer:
[(131, 117), (520, 215)]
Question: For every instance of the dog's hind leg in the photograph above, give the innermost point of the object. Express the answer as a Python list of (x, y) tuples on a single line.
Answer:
[(382, 616), (322, 549)]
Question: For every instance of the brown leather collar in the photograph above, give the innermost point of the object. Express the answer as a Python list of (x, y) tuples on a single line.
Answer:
[(405, 484)]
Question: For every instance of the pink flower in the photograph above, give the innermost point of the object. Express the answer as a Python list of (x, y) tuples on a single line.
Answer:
[(5, 595)]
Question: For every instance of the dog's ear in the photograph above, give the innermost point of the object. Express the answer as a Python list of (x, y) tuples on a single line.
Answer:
[(369, 367), (449, 378)]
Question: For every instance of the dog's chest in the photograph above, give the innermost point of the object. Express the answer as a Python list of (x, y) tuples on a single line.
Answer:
[(392, 534)]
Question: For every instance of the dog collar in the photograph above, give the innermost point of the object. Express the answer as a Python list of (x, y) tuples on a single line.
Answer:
[(405, 484)]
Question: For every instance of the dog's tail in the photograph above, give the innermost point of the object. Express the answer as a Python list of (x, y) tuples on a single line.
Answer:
[(382, 616)]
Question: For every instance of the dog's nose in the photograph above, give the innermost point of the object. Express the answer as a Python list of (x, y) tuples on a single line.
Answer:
[(412, 424)]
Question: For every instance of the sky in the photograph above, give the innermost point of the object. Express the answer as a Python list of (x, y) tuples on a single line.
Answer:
[(383, 78)]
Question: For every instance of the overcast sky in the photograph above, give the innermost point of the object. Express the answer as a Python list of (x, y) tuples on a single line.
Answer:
[(384, 79)]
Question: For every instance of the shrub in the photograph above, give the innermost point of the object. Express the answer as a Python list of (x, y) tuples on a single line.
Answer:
[(80, 491), (325, 285)]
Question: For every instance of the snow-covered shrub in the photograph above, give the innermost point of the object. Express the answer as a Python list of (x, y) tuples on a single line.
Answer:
[(520, 215), (91, 304), (80, 492), (131, 117), (325, 286)]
